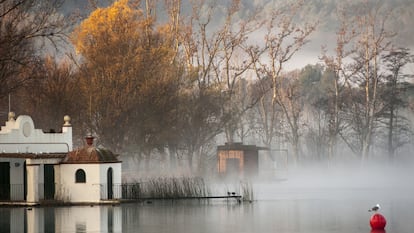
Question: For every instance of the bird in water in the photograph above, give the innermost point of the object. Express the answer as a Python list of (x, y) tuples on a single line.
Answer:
[(375, 208)]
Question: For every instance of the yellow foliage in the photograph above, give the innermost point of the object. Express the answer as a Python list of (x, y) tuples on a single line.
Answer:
[(121, 30), (116, 24), (126, 57)]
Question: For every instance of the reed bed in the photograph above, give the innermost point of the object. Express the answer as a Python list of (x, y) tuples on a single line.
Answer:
[(166, 188), (246, 190)]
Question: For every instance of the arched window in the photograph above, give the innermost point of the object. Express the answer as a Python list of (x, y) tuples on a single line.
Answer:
[(80, 176), (110, 183)]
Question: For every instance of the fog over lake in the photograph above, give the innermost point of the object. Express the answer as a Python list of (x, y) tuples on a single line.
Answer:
[(311, 196), (310, 200)]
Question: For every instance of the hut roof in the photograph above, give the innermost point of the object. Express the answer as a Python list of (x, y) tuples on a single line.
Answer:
[(91, 154), (240, 146)]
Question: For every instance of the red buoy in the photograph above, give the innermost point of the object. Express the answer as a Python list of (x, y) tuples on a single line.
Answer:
[(377, 222)]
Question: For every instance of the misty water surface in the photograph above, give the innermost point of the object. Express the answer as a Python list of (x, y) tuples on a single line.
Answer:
[(314, 200)]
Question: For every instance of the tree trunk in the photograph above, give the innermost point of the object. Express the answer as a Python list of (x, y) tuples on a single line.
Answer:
[(391, 149)]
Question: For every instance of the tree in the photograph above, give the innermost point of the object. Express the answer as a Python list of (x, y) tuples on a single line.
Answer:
[(213, 70), (283, 39), (26, 27), (314, 86), (354, 101), (290, 100), (218, 53), (395, 60), (232, 62), (269, 118), (129, 80), (200, 115), (372, 40), (341, 73), (52, 94)]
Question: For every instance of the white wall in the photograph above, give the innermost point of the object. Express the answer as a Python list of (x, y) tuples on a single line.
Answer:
[(116, 176), (96, 181), (93, 219), (20, 136), (77, 218), (79, 192)]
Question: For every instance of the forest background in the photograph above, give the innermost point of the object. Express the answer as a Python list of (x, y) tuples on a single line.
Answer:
[(163, 83)]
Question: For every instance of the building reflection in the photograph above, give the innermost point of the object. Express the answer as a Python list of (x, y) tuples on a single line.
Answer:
[(61, 219)]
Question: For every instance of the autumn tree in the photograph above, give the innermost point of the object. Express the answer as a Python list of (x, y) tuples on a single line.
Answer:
[(129, 82)]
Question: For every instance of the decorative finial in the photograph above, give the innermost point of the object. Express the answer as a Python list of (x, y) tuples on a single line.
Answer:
[(11, 116), (66, 119)]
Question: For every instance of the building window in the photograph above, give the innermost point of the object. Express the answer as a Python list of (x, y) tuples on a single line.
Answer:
[(80, 176)]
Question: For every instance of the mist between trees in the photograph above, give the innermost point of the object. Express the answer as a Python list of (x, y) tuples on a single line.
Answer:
[(168, 81)]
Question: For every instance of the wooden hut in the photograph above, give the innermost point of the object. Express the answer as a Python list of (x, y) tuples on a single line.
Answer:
[(238, 160)]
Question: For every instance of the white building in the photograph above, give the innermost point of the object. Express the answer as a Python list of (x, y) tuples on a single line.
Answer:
[(37, 166)]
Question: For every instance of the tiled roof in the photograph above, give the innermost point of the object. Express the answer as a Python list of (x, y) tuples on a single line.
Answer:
[(91, 154)]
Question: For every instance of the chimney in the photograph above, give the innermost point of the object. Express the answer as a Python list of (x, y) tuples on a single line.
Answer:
[(89, 139)]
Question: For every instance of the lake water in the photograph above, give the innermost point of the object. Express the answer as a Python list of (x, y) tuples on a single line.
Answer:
[(293, 206)]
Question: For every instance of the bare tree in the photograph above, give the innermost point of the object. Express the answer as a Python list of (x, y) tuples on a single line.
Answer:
[(315, 82), (26, 27), (283, 39), (53, 94), (341, 75), (373, 38), (213, 56), (292, 104), (395, 60)]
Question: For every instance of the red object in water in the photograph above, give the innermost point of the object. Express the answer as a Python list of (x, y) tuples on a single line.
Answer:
[(377, 222)]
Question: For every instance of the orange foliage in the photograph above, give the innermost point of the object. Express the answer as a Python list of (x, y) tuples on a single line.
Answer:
[(128, 70)]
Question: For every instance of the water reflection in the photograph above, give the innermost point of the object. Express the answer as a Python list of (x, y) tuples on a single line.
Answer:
[(79, 219), (281, 216), (378, 231)]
